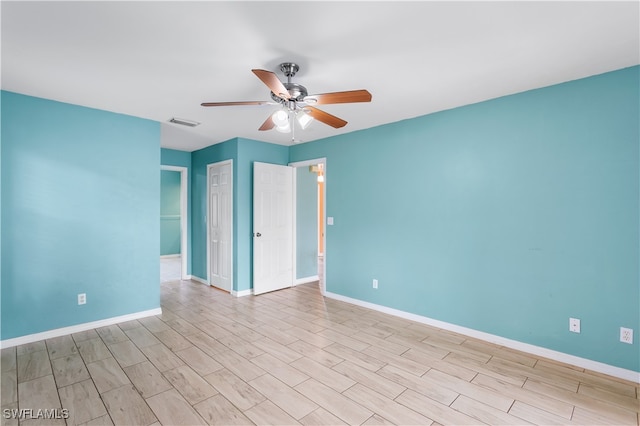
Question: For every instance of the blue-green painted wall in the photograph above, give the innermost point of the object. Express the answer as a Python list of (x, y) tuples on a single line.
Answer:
[(174, 157), (169, 212), (306, 223), (80, 214), (507, 216)]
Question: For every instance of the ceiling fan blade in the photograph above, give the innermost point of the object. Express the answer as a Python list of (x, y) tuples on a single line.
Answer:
[(268, 124), (273, 82), (339, 97), (210, 104), (325, 117)]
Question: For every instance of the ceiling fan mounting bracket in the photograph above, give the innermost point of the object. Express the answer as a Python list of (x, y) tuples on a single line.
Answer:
[(289, 69)]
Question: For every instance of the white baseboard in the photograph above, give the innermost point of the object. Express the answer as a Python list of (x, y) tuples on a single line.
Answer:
[(306, 280), (169, 256), (588, 364), (242, 293), (198, 279), (30, 338)]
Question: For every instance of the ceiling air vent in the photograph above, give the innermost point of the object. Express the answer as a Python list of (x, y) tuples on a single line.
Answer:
[(184, 122)]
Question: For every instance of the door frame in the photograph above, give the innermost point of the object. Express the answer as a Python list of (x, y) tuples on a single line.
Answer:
[(184, 247), (307, 163), (208, 219)]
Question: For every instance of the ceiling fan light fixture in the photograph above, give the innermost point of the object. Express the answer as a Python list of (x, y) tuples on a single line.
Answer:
[(280, 118), (284, 129), (304, 119)]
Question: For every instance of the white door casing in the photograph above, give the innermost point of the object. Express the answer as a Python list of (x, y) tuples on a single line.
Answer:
[(272, 227), (220, 226)]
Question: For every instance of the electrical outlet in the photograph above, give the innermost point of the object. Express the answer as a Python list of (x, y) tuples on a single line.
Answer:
[(626, 335), (574, 325), (375, 283), (82, 298)]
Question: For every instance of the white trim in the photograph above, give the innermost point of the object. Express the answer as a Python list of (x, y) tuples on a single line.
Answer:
[(208, 218), (242, 293), (184, 215), (306, 280), (198, 280), (30, 338), (294, 225), (588, 364), (170, 256)]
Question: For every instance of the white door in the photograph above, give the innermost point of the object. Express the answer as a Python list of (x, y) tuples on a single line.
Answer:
[(272, 227), (220, 224)]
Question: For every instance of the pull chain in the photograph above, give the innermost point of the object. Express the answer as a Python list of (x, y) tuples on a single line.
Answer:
[(293, 130)]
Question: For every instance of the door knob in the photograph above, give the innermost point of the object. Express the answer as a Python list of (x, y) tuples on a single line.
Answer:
[(258, 235)]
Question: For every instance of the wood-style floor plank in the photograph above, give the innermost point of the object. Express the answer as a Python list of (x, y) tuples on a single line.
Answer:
[(127, 407), (82, 402), (284, 396), (147, 379), (385, 407), (341, 406), (294, 357), (217, 410), (172, 409)]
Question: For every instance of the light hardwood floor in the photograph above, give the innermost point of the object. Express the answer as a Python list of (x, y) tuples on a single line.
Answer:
[(294, 357)]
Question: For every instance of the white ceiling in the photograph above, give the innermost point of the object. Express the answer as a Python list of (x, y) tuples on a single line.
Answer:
[(159, 60)]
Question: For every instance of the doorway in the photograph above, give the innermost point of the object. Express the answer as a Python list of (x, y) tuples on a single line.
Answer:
[(309, 218), (173, 223)]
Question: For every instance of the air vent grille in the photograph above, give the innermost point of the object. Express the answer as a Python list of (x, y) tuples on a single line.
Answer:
[(183, 122)]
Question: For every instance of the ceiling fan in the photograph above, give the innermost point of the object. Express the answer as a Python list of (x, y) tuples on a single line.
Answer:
[(296, 102)]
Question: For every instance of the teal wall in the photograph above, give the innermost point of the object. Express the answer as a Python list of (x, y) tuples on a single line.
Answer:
[(507, 216), (243, 152), (306, 223), (80, 201), (173, 157), (169, 212)]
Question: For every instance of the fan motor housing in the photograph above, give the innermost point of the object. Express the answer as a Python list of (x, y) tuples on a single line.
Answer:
[(297, 91)]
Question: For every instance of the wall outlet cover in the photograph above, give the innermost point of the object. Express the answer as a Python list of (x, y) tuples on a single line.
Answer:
[(574, 325), (626, 335)]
